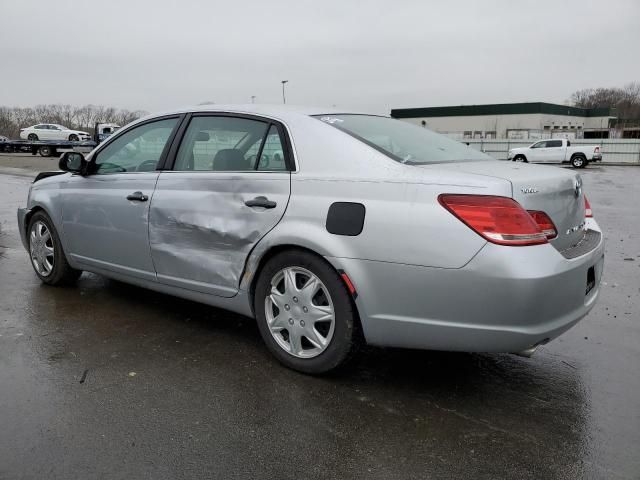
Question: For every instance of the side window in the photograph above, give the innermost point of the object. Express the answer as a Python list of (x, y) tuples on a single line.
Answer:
[(137, 150), (539, 145), (272, 157), (40, 127), (213, 143), (554, 143)]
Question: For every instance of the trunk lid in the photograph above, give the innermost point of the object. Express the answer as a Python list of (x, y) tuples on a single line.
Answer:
[(552, 190)]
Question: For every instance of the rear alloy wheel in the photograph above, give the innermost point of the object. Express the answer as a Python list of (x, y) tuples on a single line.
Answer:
[(579, 161), (520, 158), (32, 137), (47, 258), (45, 151), (300, 312), (73, 137), (304, 312)]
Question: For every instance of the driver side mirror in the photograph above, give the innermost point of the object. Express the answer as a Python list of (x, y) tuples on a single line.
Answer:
[(73, 162)]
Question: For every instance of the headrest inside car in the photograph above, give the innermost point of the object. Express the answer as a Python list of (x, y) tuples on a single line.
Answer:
[(202, 137), (230, 159)]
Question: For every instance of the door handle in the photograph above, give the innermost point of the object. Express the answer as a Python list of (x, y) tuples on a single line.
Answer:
[(263, 202), (137, 197)]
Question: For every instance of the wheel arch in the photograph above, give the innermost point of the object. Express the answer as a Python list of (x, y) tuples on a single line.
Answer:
[(30, 213), (48, 201), (264, 257), (252, 274)]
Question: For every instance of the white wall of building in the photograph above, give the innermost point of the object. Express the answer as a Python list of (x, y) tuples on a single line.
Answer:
[(501, 123)]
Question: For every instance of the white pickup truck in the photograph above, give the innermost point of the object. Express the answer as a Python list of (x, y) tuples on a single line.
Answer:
[(557, 151)]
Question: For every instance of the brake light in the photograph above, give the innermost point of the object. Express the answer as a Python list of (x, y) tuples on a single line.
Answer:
[(499, 220), (544, 223), (597, 150), (588, 213)]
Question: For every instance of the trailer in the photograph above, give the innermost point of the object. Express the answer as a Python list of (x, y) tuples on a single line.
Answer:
[(48, 148)]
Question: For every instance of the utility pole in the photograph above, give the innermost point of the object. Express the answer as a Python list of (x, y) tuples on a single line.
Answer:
[(253, 99), (284, 100)]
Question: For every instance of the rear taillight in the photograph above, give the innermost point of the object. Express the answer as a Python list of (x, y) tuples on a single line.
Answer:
[(597, 150), (500, 220), (588, 213), (544, 223)]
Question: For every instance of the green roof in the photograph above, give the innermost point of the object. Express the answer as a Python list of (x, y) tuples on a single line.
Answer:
[(500, 109)]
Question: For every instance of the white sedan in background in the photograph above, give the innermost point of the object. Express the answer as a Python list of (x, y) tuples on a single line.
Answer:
[(52, 131)]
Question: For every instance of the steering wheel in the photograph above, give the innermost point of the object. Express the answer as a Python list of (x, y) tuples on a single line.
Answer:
[(147, 166), (264, 162), (110, 166)]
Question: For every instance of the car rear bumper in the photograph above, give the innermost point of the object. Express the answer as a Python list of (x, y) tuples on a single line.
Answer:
[(506, 299), (22, 215)]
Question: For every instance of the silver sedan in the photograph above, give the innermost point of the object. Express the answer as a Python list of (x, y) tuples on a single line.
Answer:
[(328, 228)]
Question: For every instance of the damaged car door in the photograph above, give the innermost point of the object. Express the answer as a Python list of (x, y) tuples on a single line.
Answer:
[(229, 185)]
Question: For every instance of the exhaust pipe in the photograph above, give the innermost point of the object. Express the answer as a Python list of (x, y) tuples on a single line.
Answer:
[(528, 352)]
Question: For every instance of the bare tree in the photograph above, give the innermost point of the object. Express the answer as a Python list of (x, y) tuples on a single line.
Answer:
[(78, 118), (625, 100)]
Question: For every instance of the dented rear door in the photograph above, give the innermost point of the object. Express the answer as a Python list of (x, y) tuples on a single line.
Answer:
[(227, 186), (201, 229)]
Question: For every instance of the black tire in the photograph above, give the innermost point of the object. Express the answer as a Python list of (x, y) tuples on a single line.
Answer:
[(61, 273), (578, 161), (520, 158), (46, 151), (344, 340), (32, 137), (73, 137)]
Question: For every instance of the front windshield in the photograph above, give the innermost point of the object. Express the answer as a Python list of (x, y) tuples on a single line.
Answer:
[(402, 141)]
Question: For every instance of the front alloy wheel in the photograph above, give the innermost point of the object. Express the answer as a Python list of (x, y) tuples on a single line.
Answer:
[(41, 248), (47, 256)]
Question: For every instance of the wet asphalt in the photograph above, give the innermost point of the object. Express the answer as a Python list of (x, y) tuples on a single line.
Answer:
[(106, 380)]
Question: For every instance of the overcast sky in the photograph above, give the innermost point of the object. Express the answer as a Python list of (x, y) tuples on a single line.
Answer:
[(368, 55)]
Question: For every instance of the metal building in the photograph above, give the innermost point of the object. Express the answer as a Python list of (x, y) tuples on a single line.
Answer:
[(517, 121)]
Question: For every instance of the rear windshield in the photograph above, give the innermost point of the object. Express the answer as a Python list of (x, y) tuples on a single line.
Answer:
[(402, 141)]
